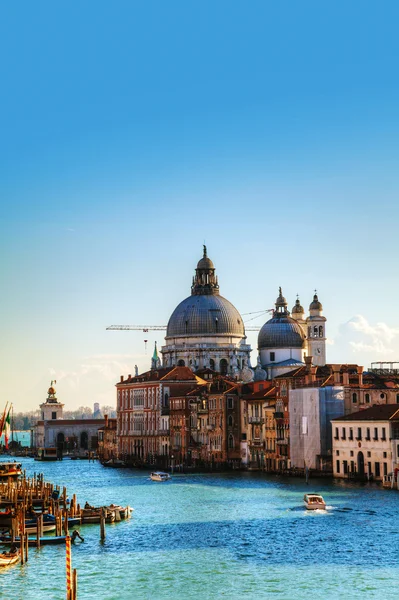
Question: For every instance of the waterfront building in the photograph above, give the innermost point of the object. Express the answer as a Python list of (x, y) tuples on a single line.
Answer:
[(366, 443), (206, 330), (205, 424), (143, 405), (67, 435), (107, 440), (257, 422)]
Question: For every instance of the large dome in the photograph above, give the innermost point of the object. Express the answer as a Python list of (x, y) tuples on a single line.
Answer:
[(281, 332), (204, 315)]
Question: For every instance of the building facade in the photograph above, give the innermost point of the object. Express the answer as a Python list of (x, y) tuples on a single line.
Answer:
[(366, 443)]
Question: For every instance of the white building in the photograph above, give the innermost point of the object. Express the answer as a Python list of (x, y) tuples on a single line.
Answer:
[(366, 443), (285, 340)]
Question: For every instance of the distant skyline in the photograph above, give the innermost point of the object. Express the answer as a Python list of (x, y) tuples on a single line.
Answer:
[(132, 133)]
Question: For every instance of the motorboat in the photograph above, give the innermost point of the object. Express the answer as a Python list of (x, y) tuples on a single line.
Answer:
[(10, 469), (9, 558), (115, 463), (121, 512), (159, 476), (314, 502), (47, 454)]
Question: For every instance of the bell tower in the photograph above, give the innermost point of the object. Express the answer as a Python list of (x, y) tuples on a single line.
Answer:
[(316, 333)]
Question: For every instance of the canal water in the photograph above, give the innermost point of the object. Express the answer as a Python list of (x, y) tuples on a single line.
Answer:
[(206, 536)]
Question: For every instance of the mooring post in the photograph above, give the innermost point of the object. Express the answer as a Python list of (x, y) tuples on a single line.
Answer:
[(102, 525)]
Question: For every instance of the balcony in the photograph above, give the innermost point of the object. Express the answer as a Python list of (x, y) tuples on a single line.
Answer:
[(257, 443), (257, 420)]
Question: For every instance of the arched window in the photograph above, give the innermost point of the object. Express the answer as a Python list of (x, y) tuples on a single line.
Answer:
[(84, 440), (231, 441), (230, 421), (60, 440), (367, 398), (166, 399), (181, 363), (223, 366), (212, 364), (354, 398), (316, 331), (321, 331)]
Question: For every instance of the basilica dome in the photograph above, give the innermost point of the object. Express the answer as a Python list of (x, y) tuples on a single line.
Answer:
[(281, 332), (205, 315)]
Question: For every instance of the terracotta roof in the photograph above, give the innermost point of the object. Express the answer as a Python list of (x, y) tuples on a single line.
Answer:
[(163, 374), (379, 412)]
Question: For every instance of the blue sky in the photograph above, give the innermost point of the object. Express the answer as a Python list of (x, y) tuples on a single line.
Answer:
[(131, 133)]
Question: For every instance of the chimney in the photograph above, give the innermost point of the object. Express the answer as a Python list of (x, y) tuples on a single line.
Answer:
[(308, 362), (337, 376), (106, 420), (360, 375), (313, 374), (121, 378)]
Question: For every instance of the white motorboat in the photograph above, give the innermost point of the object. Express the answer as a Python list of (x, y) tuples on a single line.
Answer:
[(314, 502), (159, 476)]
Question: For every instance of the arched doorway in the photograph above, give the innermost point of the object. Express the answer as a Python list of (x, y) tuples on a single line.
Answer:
[(212, 365), (223, 366), (84, 440), (181, 363), (360, 464), (60, 440)]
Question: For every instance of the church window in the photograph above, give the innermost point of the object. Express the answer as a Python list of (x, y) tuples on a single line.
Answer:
[(223, 366), (315, 331), (272, 356), (212, 364)]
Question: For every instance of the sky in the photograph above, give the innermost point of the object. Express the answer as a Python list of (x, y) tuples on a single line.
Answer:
[(133, 132)]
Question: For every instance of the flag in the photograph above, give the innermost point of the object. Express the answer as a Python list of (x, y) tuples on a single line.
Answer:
[(7, 427)]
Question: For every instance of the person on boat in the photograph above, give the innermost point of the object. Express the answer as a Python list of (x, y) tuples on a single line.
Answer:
[(88, 506), (76, 534)]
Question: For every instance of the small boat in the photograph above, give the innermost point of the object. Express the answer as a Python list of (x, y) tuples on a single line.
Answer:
[(10, 469), (93, 515), (49, 540), (47, 454), (31, 529), (314, 502), (115, 463), (121, 512), (159, 476), (9, 558)]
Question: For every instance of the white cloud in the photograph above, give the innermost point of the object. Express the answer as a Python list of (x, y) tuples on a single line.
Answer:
[(362, 336)]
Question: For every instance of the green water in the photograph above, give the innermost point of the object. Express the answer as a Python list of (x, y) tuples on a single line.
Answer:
[(208, 536)]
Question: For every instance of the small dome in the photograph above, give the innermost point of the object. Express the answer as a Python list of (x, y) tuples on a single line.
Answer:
[(205, 263), (315, 305), (281, 332), (281, 301), (298, 309)]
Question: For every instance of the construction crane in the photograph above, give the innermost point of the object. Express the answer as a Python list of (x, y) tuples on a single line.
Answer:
[(146, 328)]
